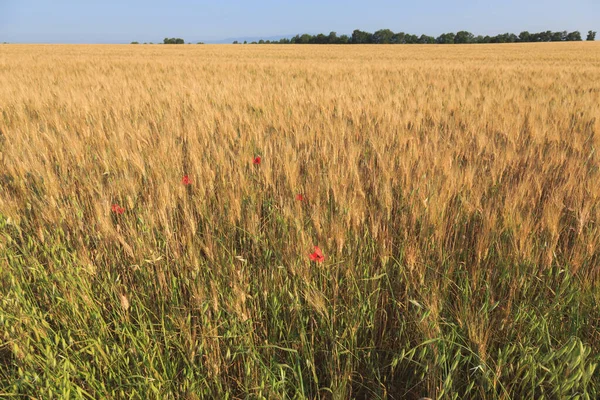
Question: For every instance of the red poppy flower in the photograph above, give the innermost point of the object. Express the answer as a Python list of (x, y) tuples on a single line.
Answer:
[(117, 209), (186, 180), (300, 197), (317, 256), (256, 160)]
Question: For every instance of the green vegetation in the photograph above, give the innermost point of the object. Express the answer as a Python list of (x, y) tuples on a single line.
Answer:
[(173, 41), (386, 36)]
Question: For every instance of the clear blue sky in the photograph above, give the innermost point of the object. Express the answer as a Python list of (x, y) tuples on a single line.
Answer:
[(112, 21)]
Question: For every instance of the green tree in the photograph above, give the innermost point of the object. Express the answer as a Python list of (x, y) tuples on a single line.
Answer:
[(591, 36), (399, 38), (361, 37), (559, 36), (464, 37), (424, 39), (305, 38), (173, 41), (411, 39), (383, 36), (505, 38), (332, 38), (524, 36), (134, 43), (574, 36), (445, 38), (545, 36), (320, 39)]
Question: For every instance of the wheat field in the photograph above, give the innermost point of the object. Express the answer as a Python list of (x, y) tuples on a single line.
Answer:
[(453, 190)]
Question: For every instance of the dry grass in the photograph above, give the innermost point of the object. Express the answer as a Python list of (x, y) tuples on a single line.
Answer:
[(453, 189)]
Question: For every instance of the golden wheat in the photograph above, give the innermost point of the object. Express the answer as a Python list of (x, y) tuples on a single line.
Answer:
[(440, 159)]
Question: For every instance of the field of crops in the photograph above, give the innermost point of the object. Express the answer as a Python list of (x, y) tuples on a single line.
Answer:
[(160, 207)]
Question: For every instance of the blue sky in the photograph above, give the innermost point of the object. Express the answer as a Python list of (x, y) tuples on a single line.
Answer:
[(111, 21)]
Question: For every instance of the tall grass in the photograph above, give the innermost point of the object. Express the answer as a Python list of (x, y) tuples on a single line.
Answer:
[(454, 191)]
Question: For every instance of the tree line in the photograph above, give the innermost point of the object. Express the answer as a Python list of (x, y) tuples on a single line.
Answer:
[(386, 36)]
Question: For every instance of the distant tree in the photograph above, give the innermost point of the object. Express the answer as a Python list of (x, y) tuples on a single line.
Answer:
[(558, 36), (399, 38), (320, 39), (261, 41), (383, 36), (360, 37), (424, 39), (464, 37), (135, 43), (245, 42), (173, 41), (445, 38), (235, 42), (574, 36), (200, 43), (411, 39), (344, 39), (332, 38), (305, 38), (524, 36), (253, 43), (591, 36), (545, 36), (504, 38)]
